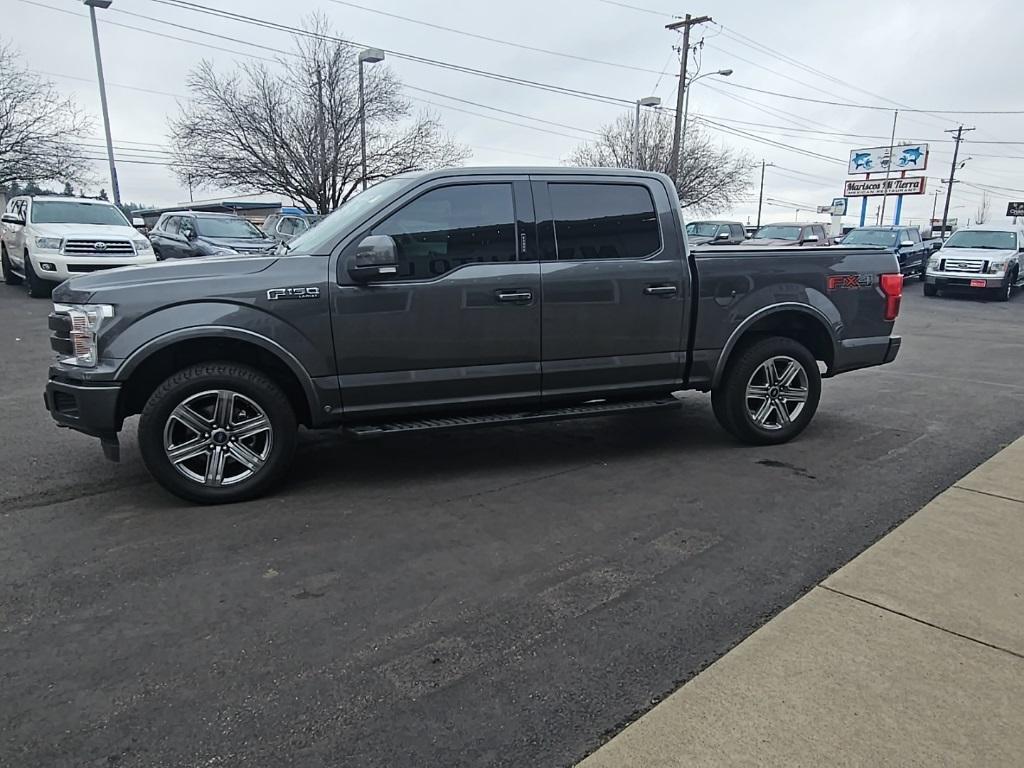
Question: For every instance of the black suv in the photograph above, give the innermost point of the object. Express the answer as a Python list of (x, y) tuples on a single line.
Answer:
[(188, 234)]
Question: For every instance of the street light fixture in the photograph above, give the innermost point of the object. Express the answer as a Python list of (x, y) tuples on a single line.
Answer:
[(93, 5), (686, 102), (367, 56), (647, 101)]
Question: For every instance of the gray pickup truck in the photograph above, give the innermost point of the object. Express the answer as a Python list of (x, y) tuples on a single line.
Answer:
[(459, 298)]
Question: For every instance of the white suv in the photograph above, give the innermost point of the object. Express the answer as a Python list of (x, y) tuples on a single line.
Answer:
[(46, 240)]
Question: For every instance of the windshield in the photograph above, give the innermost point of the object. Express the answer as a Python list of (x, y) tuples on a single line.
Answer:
[(965, 238), (701, 229), (884, 237), (315, 239), (229, 226), (778, 232), (67, 212)]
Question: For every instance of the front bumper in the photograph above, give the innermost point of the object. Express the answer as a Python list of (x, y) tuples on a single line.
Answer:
[(89, 408), (854, 354), (63, 267), (967, 281)]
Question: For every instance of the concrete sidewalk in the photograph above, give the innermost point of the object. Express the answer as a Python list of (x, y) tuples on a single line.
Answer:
[(910, 655)]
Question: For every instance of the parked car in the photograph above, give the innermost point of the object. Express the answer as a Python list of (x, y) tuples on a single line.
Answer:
[(284, 226), (189, 234), (988, 258), (47, 239), (776, 235), (905, 242), (715, 233), (440, 300)]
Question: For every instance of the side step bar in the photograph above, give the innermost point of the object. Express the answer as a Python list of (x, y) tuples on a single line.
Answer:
[(505, 419)]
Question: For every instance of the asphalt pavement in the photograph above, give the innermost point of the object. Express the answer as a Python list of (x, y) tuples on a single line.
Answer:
[(508, 597)]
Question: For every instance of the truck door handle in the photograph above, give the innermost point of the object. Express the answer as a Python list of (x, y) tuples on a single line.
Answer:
[(661, 290), (514, 296)]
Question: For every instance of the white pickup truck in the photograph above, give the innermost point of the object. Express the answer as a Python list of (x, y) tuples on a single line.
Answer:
[(46, 240), (988, 258)]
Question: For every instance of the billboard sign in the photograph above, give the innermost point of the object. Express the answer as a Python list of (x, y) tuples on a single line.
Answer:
[(839, 206), (1015, 209), (905, 157), (912, 185)]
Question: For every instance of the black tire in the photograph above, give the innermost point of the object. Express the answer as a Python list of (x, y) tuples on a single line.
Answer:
[(5, 264), (37, 287), (195, 385), (930, 289), (733, 407), (1005, 291)]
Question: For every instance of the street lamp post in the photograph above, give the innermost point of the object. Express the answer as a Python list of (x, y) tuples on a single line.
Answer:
[(93, 5), (368, 56), (647, 101), (686, 102)]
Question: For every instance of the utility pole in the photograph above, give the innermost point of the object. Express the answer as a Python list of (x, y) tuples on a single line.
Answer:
[(760, 196), (952, 173), (888, 166), (321, 147), (685, 24), (93, 5)]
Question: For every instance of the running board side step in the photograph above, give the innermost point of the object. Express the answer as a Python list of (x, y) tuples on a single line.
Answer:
[(506, 419)]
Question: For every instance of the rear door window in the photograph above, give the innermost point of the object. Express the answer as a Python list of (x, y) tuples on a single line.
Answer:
[(737, 232), (604, 221)]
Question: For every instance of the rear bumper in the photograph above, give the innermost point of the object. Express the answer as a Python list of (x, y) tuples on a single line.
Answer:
[(854, 354), (88, 408)]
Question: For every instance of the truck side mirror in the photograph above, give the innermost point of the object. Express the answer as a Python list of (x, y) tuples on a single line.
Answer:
[(811, 239), (907, 244), (376, 256), (12, 218), (722, 236), (138, 222)]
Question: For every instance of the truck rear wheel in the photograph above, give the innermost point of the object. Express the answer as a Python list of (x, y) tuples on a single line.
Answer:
[(218, 432), (769, 392)]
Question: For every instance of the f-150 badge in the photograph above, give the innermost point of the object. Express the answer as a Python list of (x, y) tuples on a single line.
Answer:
[(293, 293)]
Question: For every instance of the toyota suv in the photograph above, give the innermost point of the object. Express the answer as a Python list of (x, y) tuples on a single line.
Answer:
[(985, 258), (46, 240)]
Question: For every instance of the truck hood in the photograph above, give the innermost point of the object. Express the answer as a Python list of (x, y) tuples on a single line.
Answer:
[(975, 254), (79, 289), (86, 231)]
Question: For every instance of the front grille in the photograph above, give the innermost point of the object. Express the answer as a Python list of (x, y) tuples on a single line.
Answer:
[(98, 248), (60, 334), (962, 265), (91, 267)]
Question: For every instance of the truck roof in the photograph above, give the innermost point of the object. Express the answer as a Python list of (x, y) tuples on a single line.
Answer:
[(69, 199), (536, 170)]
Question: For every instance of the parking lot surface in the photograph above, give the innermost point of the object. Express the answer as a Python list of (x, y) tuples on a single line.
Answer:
[(504, 597)]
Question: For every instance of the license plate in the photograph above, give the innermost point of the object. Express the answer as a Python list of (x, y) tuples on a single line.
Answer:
[(978, 283)]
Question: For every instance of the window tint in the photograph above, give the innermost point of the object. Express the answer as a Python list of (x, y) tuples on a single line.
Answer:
[(451, 226), (737, 231), (604, 221)]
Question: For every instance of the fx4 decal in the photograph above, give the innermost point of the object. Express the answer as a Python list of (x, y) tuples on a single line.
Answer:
[(838, 282), (293, 293)]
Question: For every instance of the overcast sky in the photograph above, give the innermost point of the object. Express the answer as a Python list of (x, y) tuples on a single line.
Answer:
[(939, 55)]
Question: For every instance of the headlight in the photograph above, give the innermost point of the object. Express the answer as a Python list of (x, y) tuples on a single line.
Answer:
[(48, 243), (996, 267), (934, 262), (142, 245), (86, 320)]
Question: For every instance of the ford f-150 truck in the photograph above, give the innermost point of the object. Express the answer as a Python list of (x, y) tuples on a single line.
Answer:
[(459, 298)]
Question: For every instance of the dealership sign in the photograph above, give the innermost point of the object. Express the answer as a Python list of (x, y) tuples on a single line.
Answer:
[(905, 157), (1015, 209), (912, 185)]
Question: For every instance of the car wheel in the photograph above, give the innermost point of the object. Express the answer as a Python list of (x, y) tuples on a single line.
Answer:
[(218, 432), (1005, 291), (770, 392), (930, 289), (5, 263), (37, 287)]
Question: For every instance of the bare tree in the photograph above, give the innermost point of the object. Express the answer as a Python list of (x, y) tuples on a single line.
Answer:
[(294, 129), (39, 129), (711, 178), (981, 215)]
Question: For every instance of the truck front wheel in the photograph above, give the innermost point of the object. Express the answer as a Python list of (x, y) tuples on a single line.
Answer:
[(769, 392), (217, 432), (5, 264)]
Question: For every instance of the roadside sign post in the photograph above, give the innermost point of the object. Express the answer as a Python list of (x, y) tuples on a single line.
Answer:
[(902, 157)]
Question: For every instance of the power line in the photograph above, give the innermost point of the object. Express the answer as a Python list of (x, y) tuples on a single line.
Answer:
[(638, 8)]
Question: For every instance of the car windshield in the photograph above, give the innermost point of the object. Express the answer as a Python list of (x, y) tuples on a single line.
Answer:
[(1000, 241), (884, 237), (701, 229), (228, 226), (327, 231), (778, 232), (68, 212)]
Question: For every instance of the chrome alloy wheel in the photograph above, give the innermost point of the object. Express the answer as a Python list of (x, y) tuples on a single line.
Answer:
[(218, 438), (777, 392)]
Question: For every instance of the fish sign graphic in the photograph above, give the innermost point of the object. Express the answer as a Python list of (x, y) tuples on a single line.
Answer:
[(910, 156), (862, 160)]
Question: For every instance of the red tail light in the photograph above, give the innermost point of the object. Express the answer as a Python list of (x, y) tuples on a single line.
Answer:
[(892, 287)]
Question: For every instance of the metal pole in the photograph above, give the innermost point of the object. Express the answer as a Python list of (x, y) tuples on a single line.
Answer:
[(686, 115), (115, 188), (636, 137), (888, 166), (952, 173), (362, 122), (760, 197), (864, 204)]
